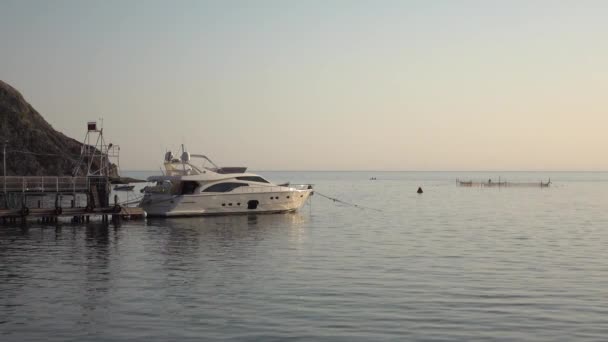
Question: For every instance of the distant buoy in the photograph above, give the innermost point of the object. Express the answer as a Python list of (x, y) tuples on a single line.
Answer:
[(419, 190)]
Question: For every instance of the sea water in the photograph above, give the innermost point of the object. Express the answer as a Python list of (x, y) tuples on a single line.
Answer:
[(453, 263)]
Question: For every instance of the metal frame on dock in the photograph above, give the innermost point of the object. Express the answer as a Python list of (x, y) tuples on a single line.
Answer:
[(51, 190), (95, 188), (44, 184)]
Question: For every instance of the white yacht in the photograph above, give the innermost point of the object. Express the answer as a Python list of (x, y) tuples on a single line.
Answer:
[(189, 190)]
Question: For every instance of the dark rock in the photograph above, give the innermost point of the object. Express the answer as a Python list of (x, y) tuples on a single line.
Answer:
[(34, 148)]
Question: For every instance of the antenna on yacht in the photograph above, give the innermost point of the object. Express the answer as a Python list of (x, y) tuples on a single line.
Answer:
[(182, 158)]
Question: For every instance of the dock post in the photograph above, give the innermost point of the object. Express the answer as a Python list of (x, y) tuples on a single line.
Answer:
[(73, 194)]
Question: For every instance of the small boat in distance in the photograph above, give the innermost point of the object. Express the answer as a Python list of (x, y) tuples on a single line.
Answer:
[(186, 189), (124, 187)]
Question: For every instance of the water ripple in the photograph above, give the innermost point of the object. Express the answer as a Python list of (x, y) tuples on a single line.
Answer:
[(452, 264)]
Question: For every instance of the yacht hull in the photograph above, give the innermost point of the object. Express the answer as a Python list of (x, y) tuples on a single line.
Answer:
[(166, 205)]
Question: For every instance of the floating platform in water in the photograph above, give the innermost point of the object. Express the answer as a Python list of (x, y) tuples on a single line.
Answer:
[(132, 213), (503, 184), (49, 198), (77, 214)]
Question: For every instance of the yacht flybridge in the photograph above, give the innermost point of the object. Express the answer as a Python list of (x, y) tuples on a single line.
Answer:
[(190, 190)]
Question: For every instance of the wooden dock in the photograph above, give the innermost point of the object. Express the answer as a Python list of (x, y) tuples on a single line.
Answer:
[(50, 198), (82, 195), (76, 214)]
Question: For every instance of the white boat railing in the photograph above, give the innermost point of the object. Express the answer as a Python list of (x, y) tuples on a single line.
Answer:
[(273, 188)]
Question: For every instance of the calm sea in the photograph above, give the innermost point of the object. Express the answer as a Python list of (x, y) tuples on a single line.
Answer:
[(452, 264)]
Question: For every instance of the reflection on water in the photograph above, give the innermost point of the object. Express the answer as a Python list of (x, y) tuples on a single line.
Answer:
[(184, 241), (451, 264), (69, 277)]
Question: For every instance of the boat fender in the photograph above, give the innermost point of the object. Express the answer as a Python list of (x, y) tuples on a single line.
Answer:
[(25, 211), (58, 211)]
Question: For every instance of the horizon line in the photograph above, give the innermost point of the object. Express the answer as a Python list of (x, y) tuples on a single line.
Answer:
[(587, 171)]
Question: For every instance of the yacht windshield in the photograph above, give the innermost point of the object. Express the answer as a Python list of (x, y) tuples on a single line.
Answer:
[(252, 179)]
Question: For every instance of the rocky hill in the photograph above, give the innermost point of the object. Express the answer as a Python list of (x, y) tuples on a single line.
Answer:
[(34, 148)]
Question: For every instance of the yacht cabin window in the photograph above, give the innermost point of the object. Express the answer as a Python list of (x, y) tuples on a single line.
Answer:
[(253, 179), (224, 187)]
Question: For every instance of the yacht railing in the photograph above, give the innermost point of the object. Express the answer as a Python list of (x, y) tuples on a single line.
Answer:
[(273, 188)]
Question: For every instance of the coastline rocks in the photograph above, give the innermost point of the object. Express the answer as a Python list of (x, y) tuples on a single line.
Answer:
[(34, 148)]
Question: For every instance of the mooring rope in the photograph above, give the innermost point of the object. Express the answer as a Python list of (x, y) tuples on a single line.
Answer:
[(138, 199), (346, 203), (132, 201)]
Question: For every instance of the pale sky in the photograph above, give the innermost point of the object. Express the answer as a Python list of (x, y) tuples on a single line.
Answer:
[(322, 85)]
